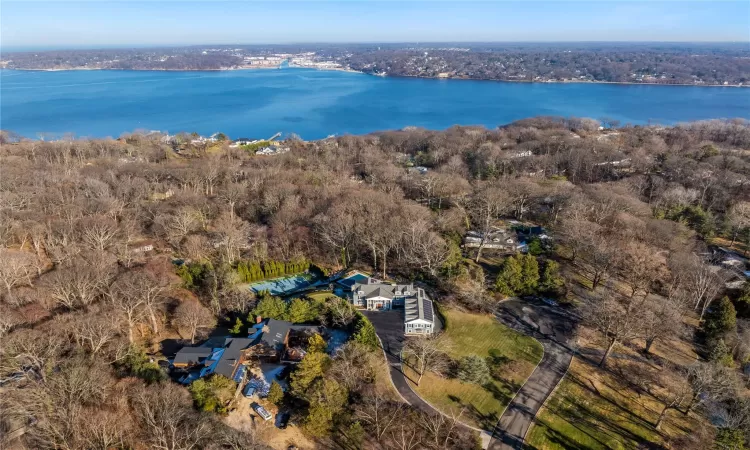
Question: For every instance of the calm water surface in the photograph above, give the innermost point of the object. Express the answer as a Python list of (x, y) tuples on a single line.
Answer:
[(314, 104)]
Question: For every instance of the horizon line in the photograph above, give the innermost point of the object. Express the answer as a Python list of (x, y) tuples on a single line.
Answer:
[(73, 47)]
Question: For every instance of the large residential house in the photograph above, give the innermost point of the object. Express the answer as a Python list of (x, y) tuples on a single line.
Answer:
[(268, 341), (225, 356), (374, 295)]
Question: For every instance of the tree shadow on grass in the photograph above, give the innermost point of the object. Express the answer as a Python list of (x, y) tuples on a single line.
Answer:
[(558, 439), (497, 393), (578, 411)]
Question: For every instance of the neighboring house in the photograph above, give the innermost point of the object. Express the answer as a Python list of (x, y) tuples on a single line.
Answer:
[(268, 341), (498, 239), (521, 154), (162, 195), (279, 340), (225, 356), (242, 141), (272, 150), (142, 247)]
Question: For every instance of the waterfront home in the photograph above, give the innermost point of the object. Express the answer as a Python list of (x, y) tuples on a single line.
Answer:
[(242, 141)]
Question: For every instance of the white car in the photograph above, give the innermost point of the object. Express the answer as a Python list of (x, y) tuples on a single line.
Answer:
[(262, 412)]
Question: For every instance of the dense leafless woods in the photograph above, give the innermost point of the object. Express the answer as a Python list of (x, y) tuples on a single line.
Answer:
[(88, 229)]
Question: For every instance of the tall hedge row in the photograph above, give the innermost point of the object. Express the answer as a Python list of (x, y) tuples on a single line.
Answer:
[(252, 271)]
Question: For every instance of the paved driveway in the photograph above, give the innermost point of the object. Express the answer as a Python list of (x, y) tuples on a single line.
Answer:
[(389, 325), (553, 327)]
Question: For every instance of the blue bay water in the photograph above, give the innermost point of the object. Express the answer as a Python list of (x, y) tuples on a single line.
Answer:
[(314, 104)]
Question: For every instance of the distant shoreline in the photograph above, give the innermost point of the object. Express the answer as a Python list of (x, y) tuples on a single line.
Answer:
[(630, 83), (223, 69), (343, 69)]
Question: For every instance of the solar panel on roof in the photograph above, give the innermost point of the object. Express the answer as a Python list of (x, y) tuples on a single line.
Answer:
[(427, 305)]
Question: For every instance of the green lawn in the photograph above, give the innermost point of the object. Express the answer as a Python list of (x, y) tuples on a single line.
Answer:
[(512, 357), (320, 295), (591, 410)]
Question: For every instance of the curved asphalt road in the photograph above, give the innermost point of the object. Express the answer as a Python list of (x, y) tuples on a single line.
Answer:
[(389, 326), (553, 327)]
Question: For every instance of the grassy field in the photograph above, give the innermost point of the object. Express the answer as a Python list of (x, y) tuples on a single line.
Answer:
[(320, 295), (512, 357), (593, 410)]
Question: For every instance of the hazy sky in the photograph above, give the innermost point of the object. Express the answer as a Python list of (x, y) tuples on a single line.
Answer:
[(99, 23)]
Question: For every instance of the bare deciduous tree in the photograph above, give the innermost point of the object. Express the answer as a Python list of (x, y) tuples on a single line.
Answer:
[(484, 208), (378, 412), (193, 317), (167, 419), (16, 268), (613, 320), (708, 382), (99, 233), (425, 354)]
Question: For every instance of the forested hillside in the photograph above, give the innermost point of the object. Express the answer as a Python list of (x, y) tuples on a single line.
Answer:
[(91, 231)]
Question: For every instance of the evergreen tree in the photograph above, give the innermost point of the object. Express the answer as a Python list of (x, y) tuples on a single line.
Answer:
[(238, 328), (138, 364), (257, 272), (316, 343), (722, 318), (551, 282), (473, 369), (275, 393), (530, 274), (365, 332), (510, 279), (187, 278), (328, 398), (729, 439), (213, 393), (300, 311), (535, 247), (356, 435), (270, 307), (720, 354), (312, 367)]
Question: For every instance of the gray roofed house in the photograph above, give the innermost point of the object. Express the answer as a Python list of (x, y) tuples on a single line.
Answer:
[(233, 356), (229, 356), (419, 316), (191, 356), (376, 295)]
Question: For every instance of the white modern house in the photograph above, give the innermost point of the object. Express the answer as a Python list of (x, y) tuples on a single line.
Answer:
[(419, 317), (374, 295)]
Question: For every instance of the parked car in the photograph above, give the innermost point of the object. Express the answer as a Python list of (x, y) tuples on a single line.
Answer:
[(262, 412), (283, 420)]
